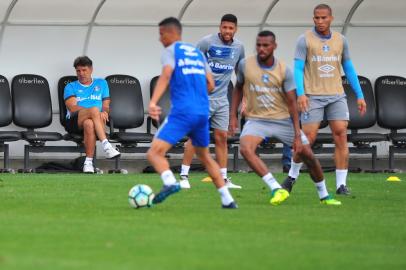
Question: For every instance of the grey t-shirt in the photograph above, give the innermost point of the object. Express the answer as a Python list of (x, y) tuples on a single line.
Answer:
[(288, 83), (301, 47), (223, 59)]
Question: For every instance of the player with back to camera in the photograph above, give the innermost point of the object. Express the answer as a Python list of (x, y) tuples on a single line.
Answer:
[(223, 52), (189, 76), (268, 86), (320, 54)]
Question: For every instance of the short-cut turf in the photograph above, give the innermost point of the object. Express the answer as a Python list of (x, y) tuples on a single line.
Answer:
[(61, 221)]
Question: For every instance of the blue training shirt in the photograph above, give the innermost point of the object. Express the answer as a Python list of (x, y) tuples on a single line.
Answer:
[(87, 96), (188, 85)]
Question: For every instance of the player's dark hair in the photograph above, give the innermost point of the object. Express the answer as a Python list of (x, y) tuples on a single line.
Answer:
[(82, 61), (323, 6), (171, 21), (267, 33), (229, 18)]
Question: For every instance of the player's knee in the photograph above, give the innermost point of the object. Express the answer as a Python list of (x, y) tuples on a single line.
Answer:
[(151, 153), (221, 138), (340, 136), (94, 112), (88, 126), (154, 151), (245, 150)]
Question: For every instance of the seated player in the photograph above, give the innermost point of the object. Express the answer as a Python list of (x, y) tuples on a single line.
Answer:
[(87, 101)]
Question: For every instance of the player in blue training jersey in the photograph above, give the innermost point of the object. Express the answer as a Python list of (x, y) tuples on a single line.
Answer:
[(188, 74), (223, 53), (87, 101)]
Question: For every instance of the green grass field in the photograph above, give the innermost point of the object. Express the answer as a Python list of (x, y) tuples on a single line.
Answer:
[(61, 221)]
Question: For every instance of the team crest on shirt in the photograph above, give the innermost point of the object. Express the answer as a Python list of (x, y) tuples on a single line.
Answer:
[(326, 48), (96, 88), (265, 78)]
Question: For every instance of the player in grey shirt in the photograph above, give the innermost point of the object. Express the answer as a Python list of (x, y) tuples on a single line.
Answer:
[(223, 54)]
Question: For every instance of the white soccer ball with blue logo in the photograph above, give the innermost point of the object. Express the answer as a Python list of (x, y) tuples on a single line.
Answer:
[(140, 196)]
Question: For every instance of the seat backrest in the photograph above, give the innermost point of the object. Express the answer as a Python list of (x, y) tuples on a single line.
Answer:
[(126, 105), (369, 118), (61, 89), (6, 112), (390, 93), (164, 102), (31, 99)]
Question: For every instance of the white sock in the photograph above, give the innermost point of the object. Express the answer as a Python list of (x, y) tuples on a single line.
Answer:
[(271, 181), (341, 177), (321, 189), (168, 178), (225, 195), (89, 160), (223, 172), (184, 169), (105, 144), (295, 169)]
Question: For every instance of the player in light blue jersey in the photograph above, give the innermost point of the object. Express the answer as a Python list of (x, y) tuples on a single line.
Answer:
[(87, 101), (223, 53), (188, 74)]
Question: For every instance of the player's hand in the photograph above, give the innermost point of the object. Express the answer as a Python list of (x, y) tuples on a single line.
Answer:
[(243, 107), (303, 103), (233, 125), (104, 117), (297, 144), (362, 106), (154, 111)]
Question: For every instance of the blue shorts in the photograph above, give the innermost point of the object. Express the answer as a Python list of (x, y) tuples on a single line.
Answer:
[(177, 126)]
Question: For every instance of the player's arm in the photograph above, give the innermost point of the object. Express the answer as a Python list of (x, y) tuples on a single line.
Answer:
[(352, 77), (236, 99), (235, 103), (290, 94), (105, 110), (210, 82), (241, 57), (160, 87), (299, 67), (203, 45), (69, 96), (209, 78), (294, 115), (72, 104), (105, 102)]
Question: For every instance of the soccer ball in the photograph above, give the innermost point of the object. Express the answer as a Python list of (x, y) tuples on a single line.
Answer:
[(140, 196)]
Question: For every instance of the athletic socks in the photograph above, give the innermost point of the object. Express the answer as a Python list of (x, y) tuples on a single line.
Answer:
[(321, 189), (105, 144), (225, 195), (168, 178), (271, 181), (341, 177), (89, 160), (223, 172), (295, 169), (184, 169)]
